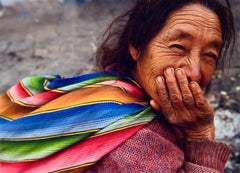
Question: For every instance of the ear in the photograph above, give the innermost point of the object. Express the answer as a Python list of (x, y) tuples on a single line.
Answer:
[(134, 52)]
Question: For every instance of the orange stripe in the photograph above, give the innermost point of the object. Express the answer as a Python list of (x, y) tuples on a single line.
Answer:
[(12, 110), (87, 95)]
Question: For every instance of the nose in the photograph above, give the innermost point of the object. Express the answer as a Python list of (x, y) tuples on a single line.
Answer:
[(193, 71)]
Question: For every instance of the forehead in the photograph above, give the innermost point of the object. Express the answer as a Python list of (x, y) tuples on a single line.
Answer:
[(194, 17)]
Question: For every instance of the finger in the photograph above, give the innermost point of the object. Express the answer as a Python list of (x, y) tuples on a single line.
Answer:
[(173, 89), (163, 96), (187, 96), (200, 100), (155, 106)]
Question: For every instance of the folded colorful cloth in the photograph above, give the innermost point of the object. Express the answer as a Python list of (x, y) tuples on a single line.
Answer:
[(51, 123)]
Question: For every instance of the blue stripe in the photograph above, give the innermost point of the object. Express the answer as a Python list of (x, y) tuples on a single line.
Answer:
[(73, 80), (71, 120)]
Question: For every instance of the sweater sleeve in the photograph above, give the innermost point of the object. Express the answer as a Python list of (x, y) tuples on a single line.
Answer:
[(205, 153)]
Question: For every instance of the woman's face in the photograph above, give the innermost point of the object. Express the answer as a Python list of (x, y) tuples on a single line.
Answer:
[(191, 39)]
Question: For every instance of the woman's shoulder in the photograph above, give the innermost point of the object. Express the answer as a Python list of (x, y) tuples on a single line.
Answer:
[(155, 141)]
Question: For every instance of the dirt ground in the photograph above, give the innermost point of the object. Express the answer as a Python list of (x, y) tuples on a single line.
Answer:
[(48, 37)]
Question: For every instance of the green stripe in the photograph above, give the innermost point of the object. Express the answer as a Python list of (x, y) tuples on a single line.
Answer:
[(36, 149), (145, 116), (34, 84), (87, 82), (31, 150)]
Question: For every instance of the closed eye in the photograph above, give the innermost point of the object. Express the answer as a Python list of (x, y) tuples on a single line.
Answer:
[(178, 46), (211, 55)]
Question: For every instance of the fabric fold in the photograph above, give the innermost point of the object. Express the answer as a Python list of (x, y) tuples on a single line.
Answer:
[(75, 121)]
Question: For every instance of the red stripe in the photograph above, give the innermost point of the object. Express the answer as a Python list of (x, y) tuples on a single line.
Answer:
[(87, 151), (41, 98), (18, 92)]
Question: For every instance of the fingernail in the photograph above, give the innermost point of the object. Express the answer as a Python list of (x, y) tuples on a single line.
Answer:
[(169, 71), (160, 80), (193, 85), (179, 72)]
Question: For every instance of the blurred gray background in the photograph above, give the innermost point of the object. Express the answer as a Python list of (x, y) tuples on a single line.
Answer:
[(61, 37)]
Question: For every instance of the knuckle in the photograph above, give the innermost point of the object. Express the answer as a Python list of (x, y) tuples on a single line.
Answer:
[(183, 82), (161, 87), (173, 120), (189, 120), (200, 102), (198, 91), (207, 111), (171, 85), (170, 79), (165, 102), (176, 98), (187, 98), (163, 94)]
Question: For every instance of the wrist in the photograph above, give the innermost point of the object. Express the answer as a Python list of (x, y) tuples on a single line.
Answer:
[(200, 133)]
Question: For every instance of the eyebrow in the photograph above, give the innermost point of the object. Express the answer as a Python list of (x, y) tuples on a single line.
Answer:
[(217, 44), (180, 34)]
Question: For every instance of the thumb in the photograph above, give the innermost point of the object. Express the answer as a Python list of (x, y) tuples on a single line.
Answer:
[(155, 106)]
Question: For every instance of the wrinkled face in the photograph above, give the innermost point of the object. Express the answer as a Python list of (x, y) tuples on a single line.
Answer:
[(191, 39)]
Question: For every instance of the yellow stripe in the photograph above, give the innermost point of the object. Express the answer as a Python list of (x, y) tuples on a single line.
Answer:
[(7, 118), (26, 89), (49, 89), (24, 104), (5, 161), (9, 95), (18, 102), (74, 167)]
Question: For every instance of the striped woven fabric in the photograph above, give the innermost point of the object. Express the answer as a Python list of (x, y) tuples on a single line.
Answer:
[(54, 124)]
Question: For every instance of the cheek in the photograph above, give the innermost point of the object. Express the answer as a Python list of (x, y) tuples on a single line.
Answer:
[(153, 69), (152, 65), (207, 73), (160, 60)]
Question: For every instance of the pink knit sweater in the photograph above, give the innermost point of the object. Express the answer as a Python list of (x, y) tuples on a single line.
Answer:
[(156, 149)]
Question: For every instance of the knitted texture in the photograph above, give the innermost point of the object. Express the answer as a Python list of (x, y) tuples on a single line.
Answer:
[(156, 149), (215, 156)]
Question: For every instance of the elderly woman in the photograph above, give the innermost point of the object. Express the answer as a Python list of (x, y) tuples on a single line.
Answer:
[(146, 112)]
